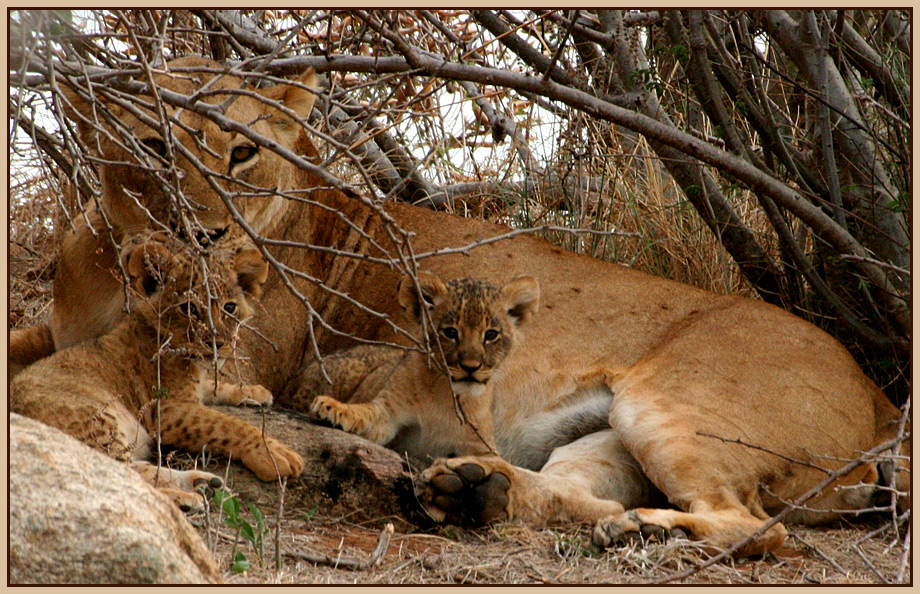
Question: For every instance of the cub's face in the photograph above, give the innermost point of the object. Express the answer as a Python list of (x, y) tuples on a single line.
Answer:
[(196, 303), (476, 322)]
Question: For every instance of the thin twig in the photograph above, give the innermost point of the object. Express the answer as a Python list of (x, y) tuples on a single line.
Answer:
[(383, 543), (820, 553), (481, 242)]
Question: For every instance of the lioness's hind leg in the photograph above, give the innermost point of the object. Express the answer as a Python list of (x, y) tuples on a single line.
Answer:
[(717, 529), (714, 483), (187, 488)]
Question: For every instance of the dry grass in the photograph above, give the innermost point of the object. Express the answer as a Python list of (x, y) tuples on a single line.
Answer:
[(508, 553)]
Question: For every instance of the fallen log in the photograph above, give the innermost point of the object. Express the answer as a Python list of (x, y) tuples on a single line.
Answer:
[(344, 475)]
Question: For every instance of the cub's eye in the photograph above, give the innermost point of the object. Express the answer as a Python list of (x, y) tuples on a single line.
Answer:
[(491, 335), (156, 145), (450, 333), (241, 154), (230, 307), (189, 309)]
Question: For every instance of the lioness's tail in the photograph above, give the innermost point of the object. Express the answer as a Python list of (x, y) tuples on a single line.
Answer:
[(28, 345), (894, 467)]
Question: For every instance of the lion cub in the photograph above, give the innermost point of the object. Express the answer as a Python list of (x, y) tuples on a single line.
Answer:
[(403, 399), (149, 375)]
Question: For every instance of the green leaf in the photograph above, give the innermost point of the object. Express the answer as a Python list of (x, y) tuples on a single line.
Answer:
[(247, 531), (232, 508), (257, 516), (680, 52), (240, 564)]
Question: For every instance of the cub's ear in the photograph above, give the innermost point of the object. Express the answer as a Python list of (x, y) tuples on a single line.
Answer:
[(432, 292), (251, 271), (522, 299), (294, 97), (146, 266)]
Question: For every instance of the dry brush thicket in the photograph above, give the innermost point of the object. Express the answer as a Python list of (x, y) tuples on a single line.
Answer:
[(761, 153)]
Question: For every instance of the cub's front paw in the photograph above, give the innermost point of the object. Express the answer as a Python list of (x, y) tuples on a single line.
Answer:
[(466, 491), (272, 460), (255, 395), (338, 413)]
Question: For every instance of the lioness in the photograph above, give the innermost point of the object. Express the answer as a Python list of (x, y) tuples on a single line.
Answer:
[(402, 398), (715, 399), (148, 376)]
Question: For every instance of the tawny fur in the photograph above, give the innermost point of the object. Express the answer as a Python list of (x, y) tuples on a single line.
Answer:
[(405, 399), (150, 375), (681, 366)]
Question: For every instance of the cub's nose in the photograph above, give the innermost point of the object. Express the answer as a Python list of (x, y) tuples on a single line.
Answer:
[(470, 366)]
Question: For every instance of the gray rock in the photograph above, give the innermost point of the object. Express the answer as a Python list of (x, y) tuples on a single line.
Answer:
[(77, 516)]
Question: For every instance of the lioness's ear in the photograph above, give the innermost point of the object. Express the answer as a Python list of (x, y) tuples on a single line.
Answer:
[(146, 266), (80, 112), (432, 290), (251, 271), (295, 98), (522, 299)]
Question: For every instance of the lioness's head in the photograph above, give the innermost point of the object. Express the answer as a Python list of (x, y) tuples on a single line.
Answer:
[(138, 163), (194, 301), (476, 322)]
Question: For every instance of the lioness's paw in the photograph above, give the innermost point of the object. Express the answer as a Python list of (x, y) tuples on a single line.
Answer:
[(629, 527), (277, 461), (465, 491)]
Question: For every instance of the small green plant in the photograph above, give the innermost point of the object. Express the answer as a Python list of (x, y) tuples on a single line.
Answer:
[(572, 545), (233, 518)]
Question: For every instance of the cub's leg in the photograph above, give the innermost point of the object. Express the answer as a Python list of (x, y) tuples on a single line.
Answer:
[(233, 394), (107, 425), (584, 481), (99, 420), (192, 426), (374, 421)]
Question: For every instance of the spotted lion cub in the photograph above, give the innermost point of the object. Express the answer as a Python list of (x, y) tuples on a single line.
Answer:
[(404, 399), (149, 375)]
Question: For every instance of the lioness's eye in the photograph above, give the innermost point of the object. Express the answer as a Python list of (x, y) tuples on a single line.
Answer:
[(491, 335), (189, 309), (450, 333), (156, 145), (230, 307), (242, 154)]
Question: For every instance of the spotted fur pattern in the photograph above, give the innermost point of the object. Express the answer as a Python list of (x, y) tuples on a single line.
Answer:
[(150, 375)]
